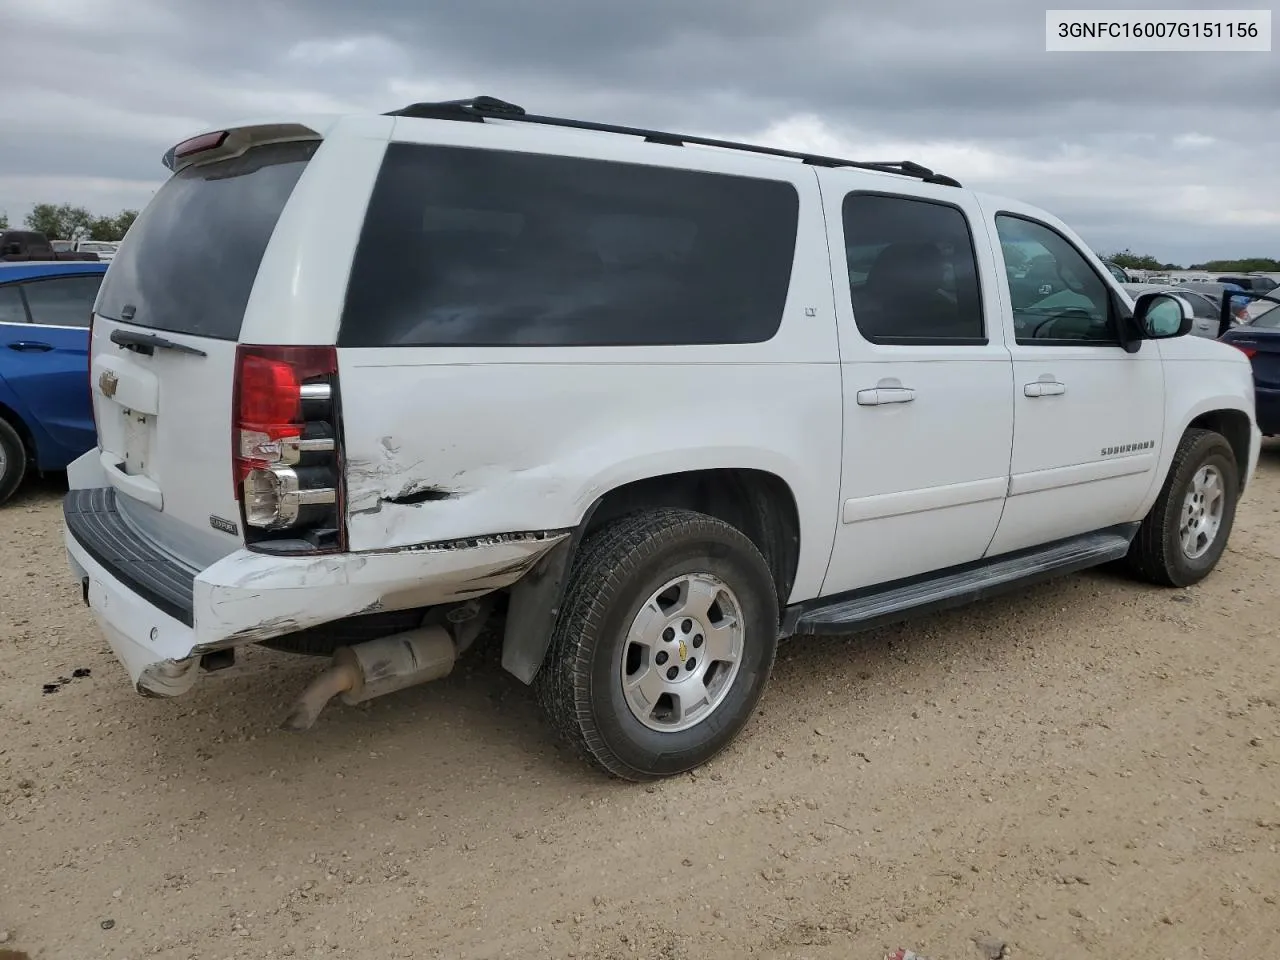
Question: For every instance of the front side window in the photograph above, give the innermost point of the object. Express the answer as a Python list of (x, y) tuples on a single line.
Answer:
[(1057, 297), (472, 247), (62, 301), (913, 277)]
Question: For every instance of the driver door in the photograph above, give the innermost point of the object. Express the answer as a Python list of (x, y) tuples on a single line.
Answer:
[(1088, 416)]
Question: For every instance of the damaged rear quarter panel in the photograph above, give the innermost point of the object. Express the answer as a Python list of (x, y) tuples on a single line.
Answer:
[(249, 597), (499, 443)]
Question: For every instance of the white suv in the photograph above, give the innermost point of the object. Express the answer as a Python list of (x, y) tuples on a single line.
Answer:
[(648, 403)]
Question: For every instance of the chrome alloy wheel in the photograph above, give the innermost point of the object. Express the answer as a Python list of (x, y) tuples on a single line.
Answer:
[(682, 653), (1202, 510)]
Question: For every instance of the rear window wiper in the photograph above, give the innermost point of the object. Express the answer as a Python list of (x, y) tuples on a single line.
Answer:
[(146, 343)]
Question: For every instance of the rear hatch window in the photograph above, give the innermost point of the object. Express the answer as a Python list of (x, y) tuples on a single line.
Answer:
[(189, 262)]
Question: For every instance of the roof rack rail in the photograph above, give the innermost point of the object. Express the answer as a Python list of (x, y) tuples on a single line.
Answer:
[(476, 109)]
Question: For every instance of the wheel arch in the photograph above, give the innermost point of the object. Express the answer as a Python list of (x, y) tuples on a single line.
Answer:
[(760, 504), (12, 417), (1236, 427)]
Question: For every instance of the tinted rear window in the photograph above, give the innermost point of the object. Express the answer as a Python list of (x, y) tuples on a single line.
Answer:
[(469, 247), (189, 262)]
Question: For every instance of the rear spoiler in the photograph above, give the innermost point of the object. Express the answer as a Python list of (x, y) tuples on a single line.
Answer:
[(1224, 312), (224, 144)]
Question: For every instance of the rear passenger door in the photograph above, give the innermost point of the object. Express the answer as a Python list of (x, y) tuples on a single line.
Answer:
[(928, 411), (46, 360)]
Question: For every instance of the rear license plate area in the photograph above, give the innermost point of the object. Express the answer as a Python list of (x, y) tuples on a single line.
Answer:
[(137, 443)]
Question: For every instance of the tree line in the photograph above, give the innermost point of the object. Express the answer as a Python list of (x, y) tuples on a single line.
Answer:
[(62, 221), (1134, 261)]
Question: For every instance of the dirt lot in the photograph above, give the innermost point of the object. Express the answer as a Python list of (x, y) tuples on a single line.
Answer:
[(1087, 770)]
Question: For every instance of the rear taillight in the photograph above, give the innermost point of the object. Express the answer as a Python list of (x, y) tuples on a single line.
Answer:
[(1249, 352), (286, 451)]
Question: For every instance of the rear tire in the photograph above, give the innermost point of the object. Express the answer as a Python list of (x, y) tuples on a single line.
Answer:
[(663, 646), (1184, 534), (13, 461)]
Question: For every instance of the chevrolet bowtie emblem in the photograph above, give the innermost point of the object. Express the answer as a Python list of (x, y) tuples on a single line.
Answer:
[(108, 383)]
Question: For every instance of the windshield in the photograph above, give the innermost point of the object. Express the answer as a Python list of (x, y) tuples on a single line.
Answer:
[(189, 262)]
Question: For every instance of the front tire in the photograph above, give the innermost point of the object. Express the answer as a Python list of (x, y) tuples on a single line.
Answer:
[(13, 461), (663, 645), (1183, 536)]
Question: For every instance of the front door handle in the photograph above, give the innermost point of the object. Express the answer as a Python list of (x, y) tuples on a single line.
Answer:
[(1044, 388), (878, 395), (31, 345)]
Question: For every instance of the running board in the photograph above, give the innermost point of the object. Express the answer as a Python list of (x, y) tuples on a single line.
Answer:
[(866, 609)]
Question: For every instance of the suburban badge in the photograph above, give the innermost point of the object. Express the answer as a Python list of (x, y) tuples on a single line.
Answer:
[(226, 526)]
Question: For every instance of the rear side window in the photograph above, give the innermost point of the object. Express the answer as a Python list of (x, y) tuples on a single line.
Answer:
[(188, 264), (62, 301), (470, 247), (913, 277), (11, 308)]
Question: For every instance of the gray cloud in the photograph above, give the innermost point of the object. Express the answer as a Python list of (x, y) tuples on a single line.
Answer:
[(1170, 153)]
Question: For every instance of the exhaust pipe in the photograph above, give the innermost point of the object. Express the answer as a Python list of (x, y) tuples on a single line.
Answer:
[(374, 668)]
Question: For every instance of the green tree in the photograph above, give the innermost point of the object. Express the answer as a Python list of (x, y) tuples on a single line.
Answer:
[(1139, 261), (1246, 265), (60, 221), (4, 220), (112, 228), (124, 220)]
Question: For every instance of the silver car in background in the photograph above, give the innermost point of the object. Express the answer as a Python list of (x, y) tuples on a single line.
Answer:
[(1205, 300)]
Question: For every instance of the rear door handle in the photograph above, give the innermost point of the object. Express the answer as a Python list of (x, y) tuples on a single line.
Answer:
[(30, 346), (1044, 388), (878, 395)]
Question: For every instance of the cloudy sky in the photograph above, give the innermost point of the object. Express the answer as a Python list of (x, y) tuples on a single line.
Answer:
[(1177, 155)]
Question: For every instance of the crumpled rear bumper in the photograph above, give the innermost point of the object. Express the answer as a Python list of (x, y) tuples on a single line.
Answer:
[(159, 629)]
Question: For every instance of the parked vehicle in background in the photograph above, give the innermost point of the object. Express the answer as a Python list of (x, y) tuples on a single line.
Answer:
[(46, 419), (1206, 309), (63, 246), (105, 249), (1259, 339), (24, 245), (1215, 290), (1254, 283), (1206, 304), (363, 382)]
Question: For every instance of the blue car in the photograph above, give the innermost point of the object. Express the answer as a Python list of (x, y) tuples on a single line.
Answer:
[(46, 419), (1259, 338)]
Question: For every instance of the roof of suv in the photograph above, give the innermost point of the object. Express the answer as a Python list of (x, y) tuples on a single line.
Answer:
[(491, 110), (557, 134)]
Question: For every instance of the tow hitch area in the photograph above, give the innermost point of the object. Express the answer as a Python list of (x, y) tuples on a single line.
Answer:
[(374, 668)]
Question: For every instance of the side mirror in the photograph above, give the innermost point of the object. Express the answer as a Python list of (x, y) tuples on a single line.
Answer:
[(1161, 316)]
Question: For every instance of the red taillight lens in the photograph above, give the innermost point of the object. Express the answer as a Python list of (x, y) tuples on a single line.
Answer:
[(270, 394), (285, 450), (206, 141), (1249, 352)]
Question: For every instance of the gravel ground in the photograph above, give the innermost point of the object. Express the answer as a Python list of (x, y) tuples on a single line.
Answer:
[(1088, 769)]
